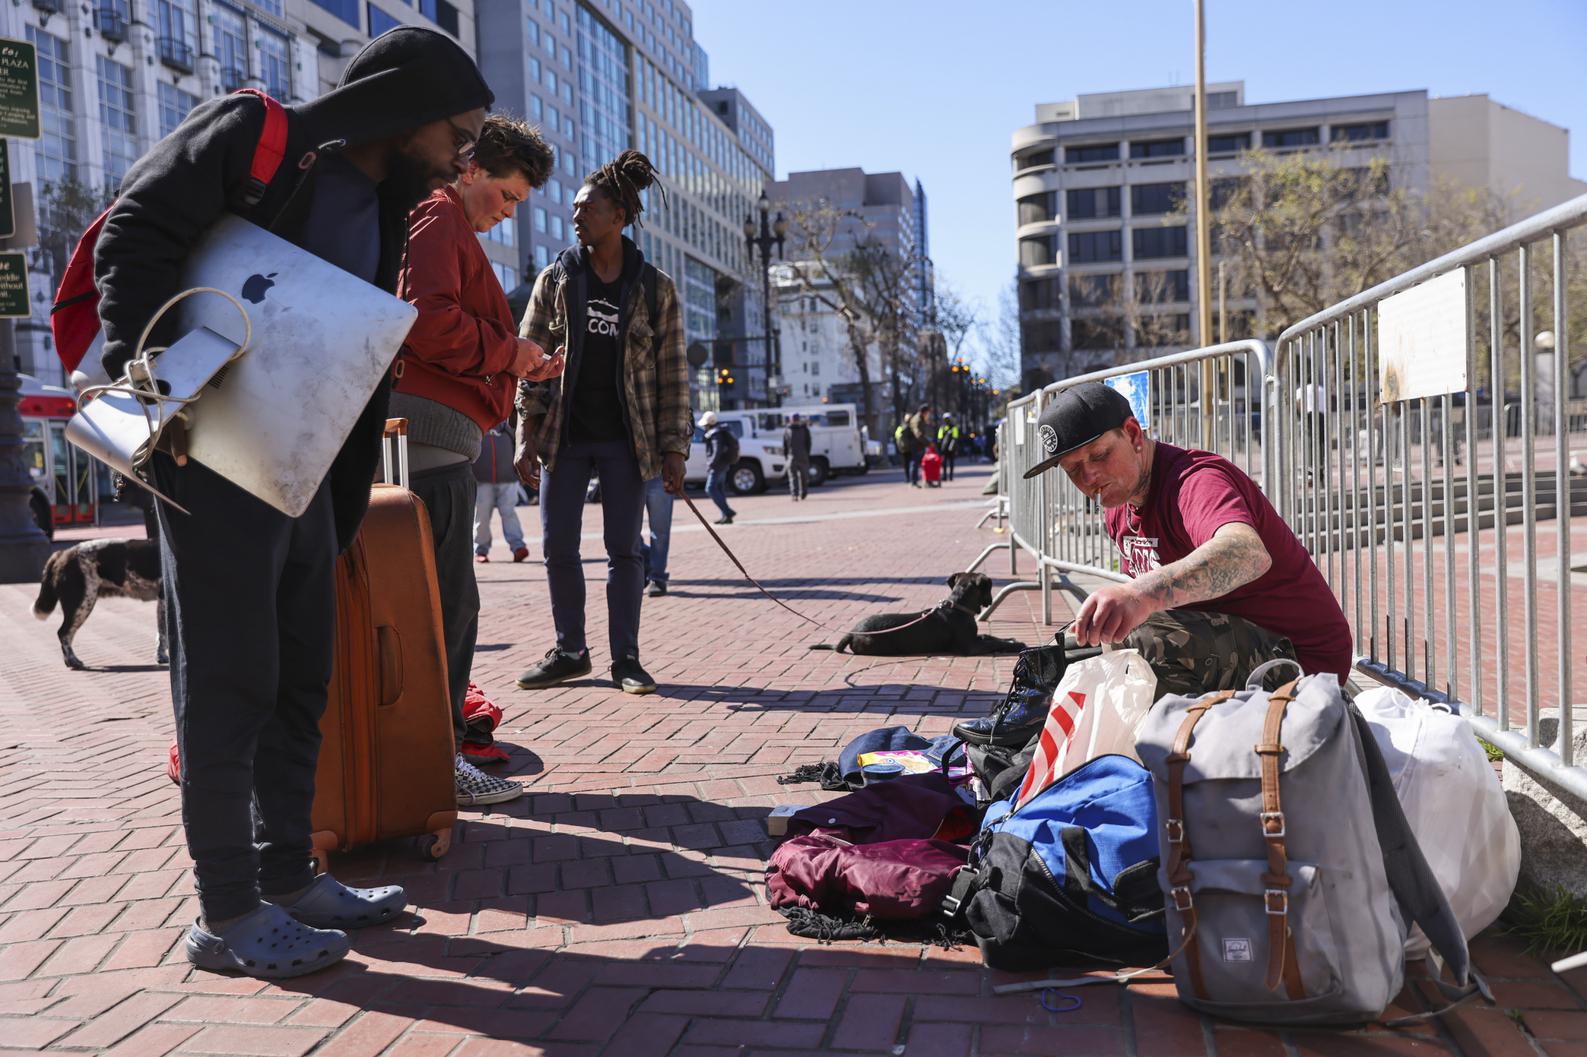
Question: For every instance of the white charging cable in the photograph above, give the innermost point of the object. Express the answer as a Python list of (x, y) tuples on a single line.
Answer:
[(140, 380)]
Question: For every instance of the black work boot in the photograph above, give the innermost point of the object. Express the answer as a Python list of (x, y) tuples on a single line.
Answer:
[(1021, 714), (557, 667)]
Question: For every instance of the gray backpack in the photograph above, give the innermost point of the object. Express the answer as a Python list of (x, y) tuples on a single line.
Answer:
[(1290, 874)]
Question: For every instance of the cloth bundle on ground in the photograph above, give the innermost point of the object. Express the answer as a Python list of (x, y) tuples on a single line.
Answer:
[(1070, 878), (1454, 803), (847, 773), (887, 853), (1295, 904)]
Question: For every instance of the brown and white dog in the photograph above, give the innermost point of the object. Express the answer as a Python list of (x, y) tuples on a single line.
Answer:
[(79, 576)]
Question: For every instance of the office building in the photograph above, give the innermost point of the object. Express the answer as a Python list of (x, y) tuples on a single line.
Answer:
[(1100, 184), (117, 75)]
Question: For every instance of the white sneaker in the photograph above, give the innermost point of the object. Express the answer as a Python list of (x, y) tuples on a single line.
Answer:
[(475, 787)]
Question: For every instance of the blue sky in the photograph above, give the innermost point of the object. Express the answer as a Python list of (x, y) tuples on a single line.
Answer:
[(935, 89)]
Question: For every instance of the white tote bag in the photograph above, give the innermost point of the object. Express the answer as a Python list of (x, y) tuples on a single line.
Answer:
[(1454, 803), (1095, 711)]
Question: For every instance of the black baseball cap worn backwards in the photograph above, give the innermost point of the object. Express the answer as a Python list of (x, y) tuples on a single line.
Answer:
[(1077, 416)]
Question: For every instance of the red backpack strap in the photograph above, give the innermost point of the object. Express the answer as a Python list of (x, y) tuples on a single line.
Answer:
[(271, 149)]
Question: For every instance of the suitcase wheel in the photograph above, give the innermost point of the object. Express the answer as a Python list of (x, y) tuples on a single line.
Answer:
[(432, 846)]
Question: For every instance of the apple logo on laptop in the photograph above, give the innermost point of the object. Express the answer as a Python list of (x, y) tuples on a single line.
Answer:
[(256, 286)]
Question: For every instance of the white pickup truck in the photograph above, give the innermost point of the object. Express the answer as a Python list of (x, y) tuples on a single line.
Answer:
[(760, 457), (837, 442)]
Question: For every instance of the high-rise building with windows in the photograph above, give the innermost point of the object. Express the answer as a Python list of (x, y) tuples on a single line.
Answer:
[(117, 75), (601, 76), (1100, 185)]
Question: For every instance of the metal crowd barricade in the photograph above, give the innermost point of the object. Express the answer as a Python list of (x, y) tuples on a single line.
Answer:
[(1429, 516), (1062, 529)]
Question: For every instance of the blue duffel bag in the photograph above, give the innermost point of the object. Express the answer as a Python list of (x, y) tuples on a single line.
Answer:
[(1071, 878)]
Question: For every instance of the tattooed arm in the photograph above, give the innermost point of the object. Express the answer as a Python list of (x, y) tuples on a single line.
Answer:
[(1232, 558)]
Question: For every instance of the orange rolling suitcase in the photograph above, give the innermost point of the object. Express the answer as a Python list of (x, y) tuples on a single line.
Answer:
[(386, 758)]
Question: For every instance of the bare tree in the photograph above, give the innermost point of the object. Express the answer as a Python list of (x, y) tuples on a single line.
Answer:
[(813, 229), (999, 338), (886, 280)]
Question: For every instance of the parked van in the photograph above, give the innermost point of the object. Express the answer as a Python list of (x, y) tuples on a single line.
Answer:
[(838, 444)]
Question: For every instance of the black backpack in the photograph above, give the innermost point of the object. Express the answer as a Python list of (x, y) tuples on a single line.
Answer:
[(729, 446)]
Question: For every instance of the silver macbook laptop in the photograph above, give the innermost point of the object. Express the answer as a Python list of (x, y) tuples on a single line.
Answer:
[(273, 420)]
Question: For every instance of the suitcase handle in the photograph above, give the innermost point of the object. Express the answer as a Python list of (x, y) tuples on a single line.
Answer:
[(397, 430)]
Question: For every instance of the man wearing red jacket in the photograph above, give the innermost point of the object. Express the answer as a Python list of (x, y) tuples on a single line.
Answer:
[(456, 377)]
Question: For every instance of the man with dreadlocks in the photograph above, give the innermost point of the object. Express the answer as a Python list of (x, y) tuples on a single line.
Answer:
[(620, 411)]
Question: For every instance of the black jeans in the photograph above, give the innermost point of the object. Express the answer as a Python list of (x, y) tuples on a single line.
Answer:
[(448, 494), (561, 522), (251, 617), (912, 466)]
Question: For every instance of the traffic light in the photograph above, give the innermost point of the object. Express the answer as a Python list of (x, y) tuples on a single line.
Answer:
[(724, 376)]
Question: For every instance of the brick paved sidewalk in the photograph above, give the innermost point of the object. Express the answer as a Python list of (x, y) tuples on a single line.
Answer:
[(618, 909)]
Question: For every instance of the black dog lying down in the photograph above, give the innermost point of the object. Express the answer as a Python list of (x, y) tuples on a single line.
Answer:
[(949, 628)]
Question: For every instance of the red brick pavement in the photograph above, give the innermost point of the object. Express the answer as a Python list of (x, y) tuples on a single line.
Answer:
[(617, 909)]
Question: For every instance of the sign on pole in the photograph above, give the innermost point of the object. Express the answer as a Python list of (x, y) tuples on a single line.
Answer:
[(19, 89), (1137, 389), (14, 286), (8, 213)]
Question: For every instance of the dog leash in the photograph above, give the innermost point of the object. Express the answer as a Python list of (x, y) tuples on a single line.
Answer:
[(757, 584), (734, 559)]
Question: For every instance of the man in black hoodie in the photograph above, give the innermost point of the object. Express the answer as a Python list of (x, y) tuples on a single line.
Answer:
[(251, 604)]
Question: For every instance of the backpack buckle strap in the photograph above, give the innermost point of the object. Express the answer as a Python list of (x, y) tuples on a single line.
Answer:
[(1183, 902), (1174, 830), (1273, 825), (1276, 901)]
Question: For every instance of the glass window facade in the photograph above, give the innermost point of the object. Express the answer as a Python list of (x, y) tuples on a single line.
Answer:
[(1228, 142), (1149, 243), (1153, 199), (1038, 209), (1281, 138), (57, 147), (380, 22), (604, 98), (1091, 152), (1366, 131), (1090, 203), (118, 125), (346, 10), (1158, 148), (1086, 246), (275, 65), (1157, 287), (1038, 252), (231, 45), (175, 105)]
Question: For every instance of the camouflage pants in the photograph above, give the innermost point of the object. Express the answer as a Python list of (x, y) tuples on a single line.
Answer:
[(1195, 652)]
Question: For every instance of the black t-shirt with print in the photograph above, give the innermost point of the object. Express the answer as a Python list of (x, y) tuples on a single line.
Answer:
[(596, 414)]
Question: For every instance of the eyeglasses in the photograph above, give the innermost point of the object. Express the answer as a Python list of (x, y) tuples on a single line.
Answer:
[(463, 141)]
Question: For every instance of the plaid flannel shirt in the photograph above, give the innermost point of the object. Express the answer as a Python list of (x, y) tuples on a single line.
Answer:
[(655, 372)]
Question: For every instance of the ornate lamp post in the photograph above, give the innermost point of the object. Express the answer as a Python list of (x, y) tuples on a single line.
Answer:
[(771, 234)]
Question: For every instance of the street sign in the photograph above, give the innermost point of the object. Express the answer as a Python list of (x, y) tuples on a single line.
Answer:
[(1422, 340), (14, 286), (19, 89), (1137, 389), (8, 214)]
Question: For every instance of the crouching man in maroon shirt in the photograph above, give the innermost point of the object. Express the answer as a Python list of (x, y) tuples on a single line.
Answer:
[(1218, 583)]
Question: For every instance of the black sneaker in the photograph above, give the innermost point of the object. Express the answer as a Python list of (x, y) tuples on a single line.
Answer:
[(1023, 712), (655, 589), (630, 678), (558, 667)]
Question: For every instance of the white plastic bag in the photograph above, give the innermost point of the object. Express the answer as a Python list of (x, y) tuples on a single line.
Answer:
[(1099, 704), (1454, 803)]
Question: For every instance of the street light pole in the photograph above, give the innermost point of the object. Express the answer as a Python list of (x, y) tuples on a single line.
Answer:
[(771, 234)]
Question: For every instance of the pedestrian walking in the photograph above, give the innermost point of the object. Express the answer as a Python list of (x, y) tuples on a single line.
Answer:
[(948, 441), (455, 381), (658, 512), (251, 592), (721, 452), (796, 448), (919, 433), (621, 412), (498, 495)]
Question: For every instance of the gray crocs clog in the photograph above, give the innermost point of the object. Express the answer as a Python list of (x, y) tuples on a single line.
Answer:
[(268, 944), (329, 904)]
